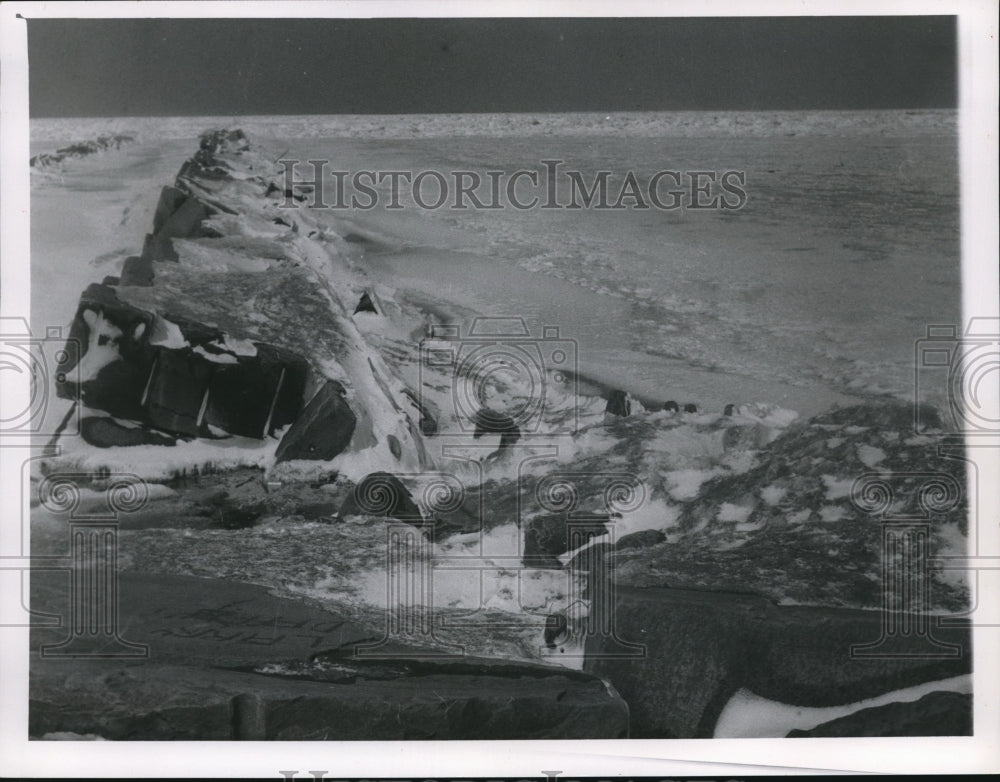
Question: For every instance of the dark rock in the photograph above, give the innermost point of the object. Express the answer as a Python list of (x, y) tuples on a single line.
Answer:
[(170, 200), (111, 281), (383, 495), (395, 448), (491, 422), (257, 395), (355, 238), (935, 714), (185, 221), (547, 537), (728, 410), (642, 539), (702, 647), (154, 701), (323, 430), (618, 404), (690, 408), (158, 248), (203, 621), (137, 271), (365, 304), (108, 433), (178, 391), (671, 406)]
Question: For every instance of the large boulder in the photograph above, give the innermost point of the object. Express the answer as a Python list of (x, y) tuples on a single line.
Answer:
[(257, 395), (179, 376), (147, 701), (383, 495), (158, 248), (178, 392), (702, 647), (185, 221), (548, 536), (324, 428), (137, 271)]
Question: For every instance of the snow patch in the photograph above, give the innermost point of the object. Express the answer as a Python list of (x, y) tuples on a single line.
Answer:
[(837, 488), (773, 494), (730, 512), (870, 455), (750, 716)]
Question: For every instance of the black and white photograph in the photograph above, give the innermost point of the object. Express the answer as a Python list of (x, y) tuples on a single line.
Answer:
[(395, 373)]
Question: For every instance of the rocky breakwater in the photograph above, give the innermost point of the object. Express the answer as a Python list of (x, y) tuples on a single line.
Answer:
[(236, 320), (807, 580)]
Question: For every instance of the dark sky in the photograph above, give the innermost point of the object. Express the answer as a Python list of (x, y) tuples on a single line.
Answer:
[(140, 67)]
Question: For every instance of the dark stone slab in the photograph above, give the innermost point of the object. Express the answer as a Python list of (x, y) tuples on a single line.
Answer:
[(158, 248), (185, 221), (178, 391), (229, 661), (170, 200), (547, 537), (701, 647), (205, 621), (323, 430), (258, 394), (149, 701)]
